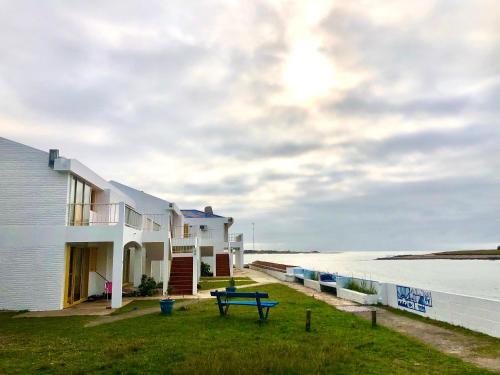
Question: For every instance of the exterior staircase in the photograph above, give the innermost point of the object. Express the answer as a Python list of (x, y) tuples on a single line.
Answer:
[(222, 265), (181, 275)]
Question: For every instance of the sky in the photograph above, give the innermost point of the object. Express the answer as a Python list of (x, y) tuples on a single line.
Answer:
[(331, 125)]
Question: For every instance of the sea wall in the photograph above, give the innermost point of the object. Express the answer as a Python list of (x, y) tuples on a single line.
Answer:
[(477, 314)]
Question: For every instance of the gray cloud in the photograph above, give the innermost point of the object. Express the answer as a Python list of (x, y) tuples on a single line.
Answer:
[(183, 90)]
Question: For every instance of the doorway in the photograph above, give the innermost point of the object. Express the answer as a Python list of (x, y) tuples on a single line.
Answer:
[(77, 275)]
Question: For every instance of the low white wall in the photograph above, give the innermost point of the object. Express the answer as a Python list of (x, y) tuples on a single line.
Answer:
[(478, 314), (352, 295), (313, 284)]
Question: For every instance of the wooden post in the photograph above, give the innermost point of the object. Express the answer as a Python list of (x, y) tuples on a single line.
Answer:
[(374, 318), (308, 320)]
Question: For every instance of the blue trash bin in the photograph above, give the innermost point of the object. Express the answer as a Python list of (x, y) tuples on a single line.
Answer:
[(166, 306)]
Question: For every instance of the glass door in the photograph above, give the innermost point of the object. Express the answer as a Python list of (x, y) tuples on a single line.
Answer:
[(81, 199), (78, 275)]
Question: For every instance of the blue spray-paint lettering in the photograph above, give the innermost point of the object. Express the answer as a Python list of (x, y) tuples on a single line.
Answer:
[(413, 298)]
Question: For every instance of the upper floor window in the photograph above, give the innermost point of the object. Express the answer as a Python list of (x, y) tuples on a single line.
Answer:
[(81, 201)]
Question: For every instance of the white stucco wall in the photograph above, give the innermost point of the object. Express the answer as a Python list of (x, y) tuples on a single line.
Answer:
[(215, 226), (31, 192), (32, 229)]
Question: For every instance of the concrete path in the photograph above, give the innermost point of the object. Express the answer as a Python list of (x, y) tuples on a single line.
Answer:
[(134, 314), (466, 347)]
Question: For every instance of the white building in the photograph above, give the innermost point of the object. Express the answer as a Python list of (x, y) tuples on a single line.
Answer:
[(218, 247), (65, 233)]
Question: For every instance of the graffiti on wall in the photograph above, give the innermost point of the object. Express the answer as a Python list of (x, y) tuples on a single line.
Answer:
[(413, 298)]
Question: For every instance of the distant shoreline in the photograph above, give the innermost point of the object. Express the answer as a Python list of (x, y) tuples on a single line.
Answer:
[(280, 252), (455, 255)]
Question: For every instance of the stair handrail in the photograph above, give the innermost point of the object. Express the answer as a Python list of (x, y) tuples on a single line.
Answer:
[(102, 276)]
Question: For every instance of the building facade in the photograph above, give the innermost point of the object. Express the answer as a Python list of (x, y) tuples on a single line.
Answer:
[(67, 234)]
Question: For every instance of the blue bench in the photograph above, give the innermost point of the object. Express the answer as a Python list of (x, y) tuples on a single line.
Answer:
[(224, 302)]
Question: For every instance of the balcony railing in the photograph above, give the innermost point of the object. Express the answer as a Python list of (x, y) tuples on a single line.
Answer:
[(133, 218), (154, 222), (236, 237), (84, 214), (182, 249), (191, 232)]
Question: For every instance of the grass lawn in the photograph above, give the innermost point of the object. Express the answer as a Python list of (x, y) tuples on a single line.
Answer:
[(198, 341)]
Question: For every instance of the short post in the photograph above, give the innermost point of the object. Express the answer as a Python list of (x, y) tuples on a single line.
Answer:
[(308, 320), (374, 318)]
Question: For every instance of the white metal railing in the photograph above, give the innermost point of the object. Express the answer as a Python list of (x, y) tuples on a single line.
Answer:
[(235, 237), (153, 222), (133, 218), (191, 232), (183, 249), (84, 214)]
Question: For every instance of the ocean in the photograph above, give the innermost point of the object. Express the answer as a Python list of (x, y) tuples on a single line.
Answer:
[(478, 278)]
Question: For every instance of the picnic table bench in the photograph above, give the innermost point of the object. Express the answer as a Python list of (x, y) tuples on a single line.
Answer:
[(224, 301)]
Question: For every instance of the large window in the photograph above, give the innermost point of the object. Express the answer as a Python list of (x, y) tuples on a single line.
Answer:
[(81, 201)]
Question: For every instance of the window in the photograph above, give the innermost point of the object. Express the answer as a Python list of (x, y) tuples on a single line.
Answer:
[(81, 200)]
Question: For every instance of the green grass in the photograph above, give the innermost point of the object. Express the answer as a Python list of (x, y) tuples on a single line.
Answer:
[(362, 287), (198, 340), (222, 284)]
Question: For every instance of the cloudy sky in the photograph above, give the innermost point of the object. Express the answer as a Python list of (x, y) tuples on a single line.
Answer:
[(333, 125)]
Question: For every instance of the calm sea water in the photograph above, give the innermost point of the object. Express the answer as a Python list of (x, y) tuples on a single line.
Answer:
[(480, 278)]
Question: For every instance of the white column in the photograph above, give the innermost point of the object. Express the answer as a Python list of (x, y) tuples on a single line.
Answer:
[(165, 272), (230, 260), (240, 258), (117, 278), (139, 263), (214, 257), (195, 270)]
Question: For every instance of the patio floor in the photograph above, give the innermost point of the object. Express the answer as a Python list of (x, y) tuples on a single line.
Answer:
[(84, 308)]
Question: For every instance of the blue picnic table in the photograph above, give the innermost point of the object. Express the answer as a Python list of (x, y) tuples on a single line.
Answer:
[(224, 301)]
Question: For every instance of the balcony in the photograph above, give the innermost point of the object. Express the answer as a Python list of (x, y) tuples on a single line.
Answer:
[(236, 237), (86, 214), (184, 237), (133, 218)]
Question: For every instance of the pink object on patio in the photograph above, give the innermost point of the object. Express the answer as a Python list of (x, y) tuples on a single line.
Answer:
[(108, 287)]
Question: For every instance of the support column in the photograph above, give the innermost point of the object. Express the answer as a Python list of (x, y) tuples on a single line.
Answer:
[(230, 260), (139, 263), (240, 258), (165, 271), (117, 278), (214, 257)]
